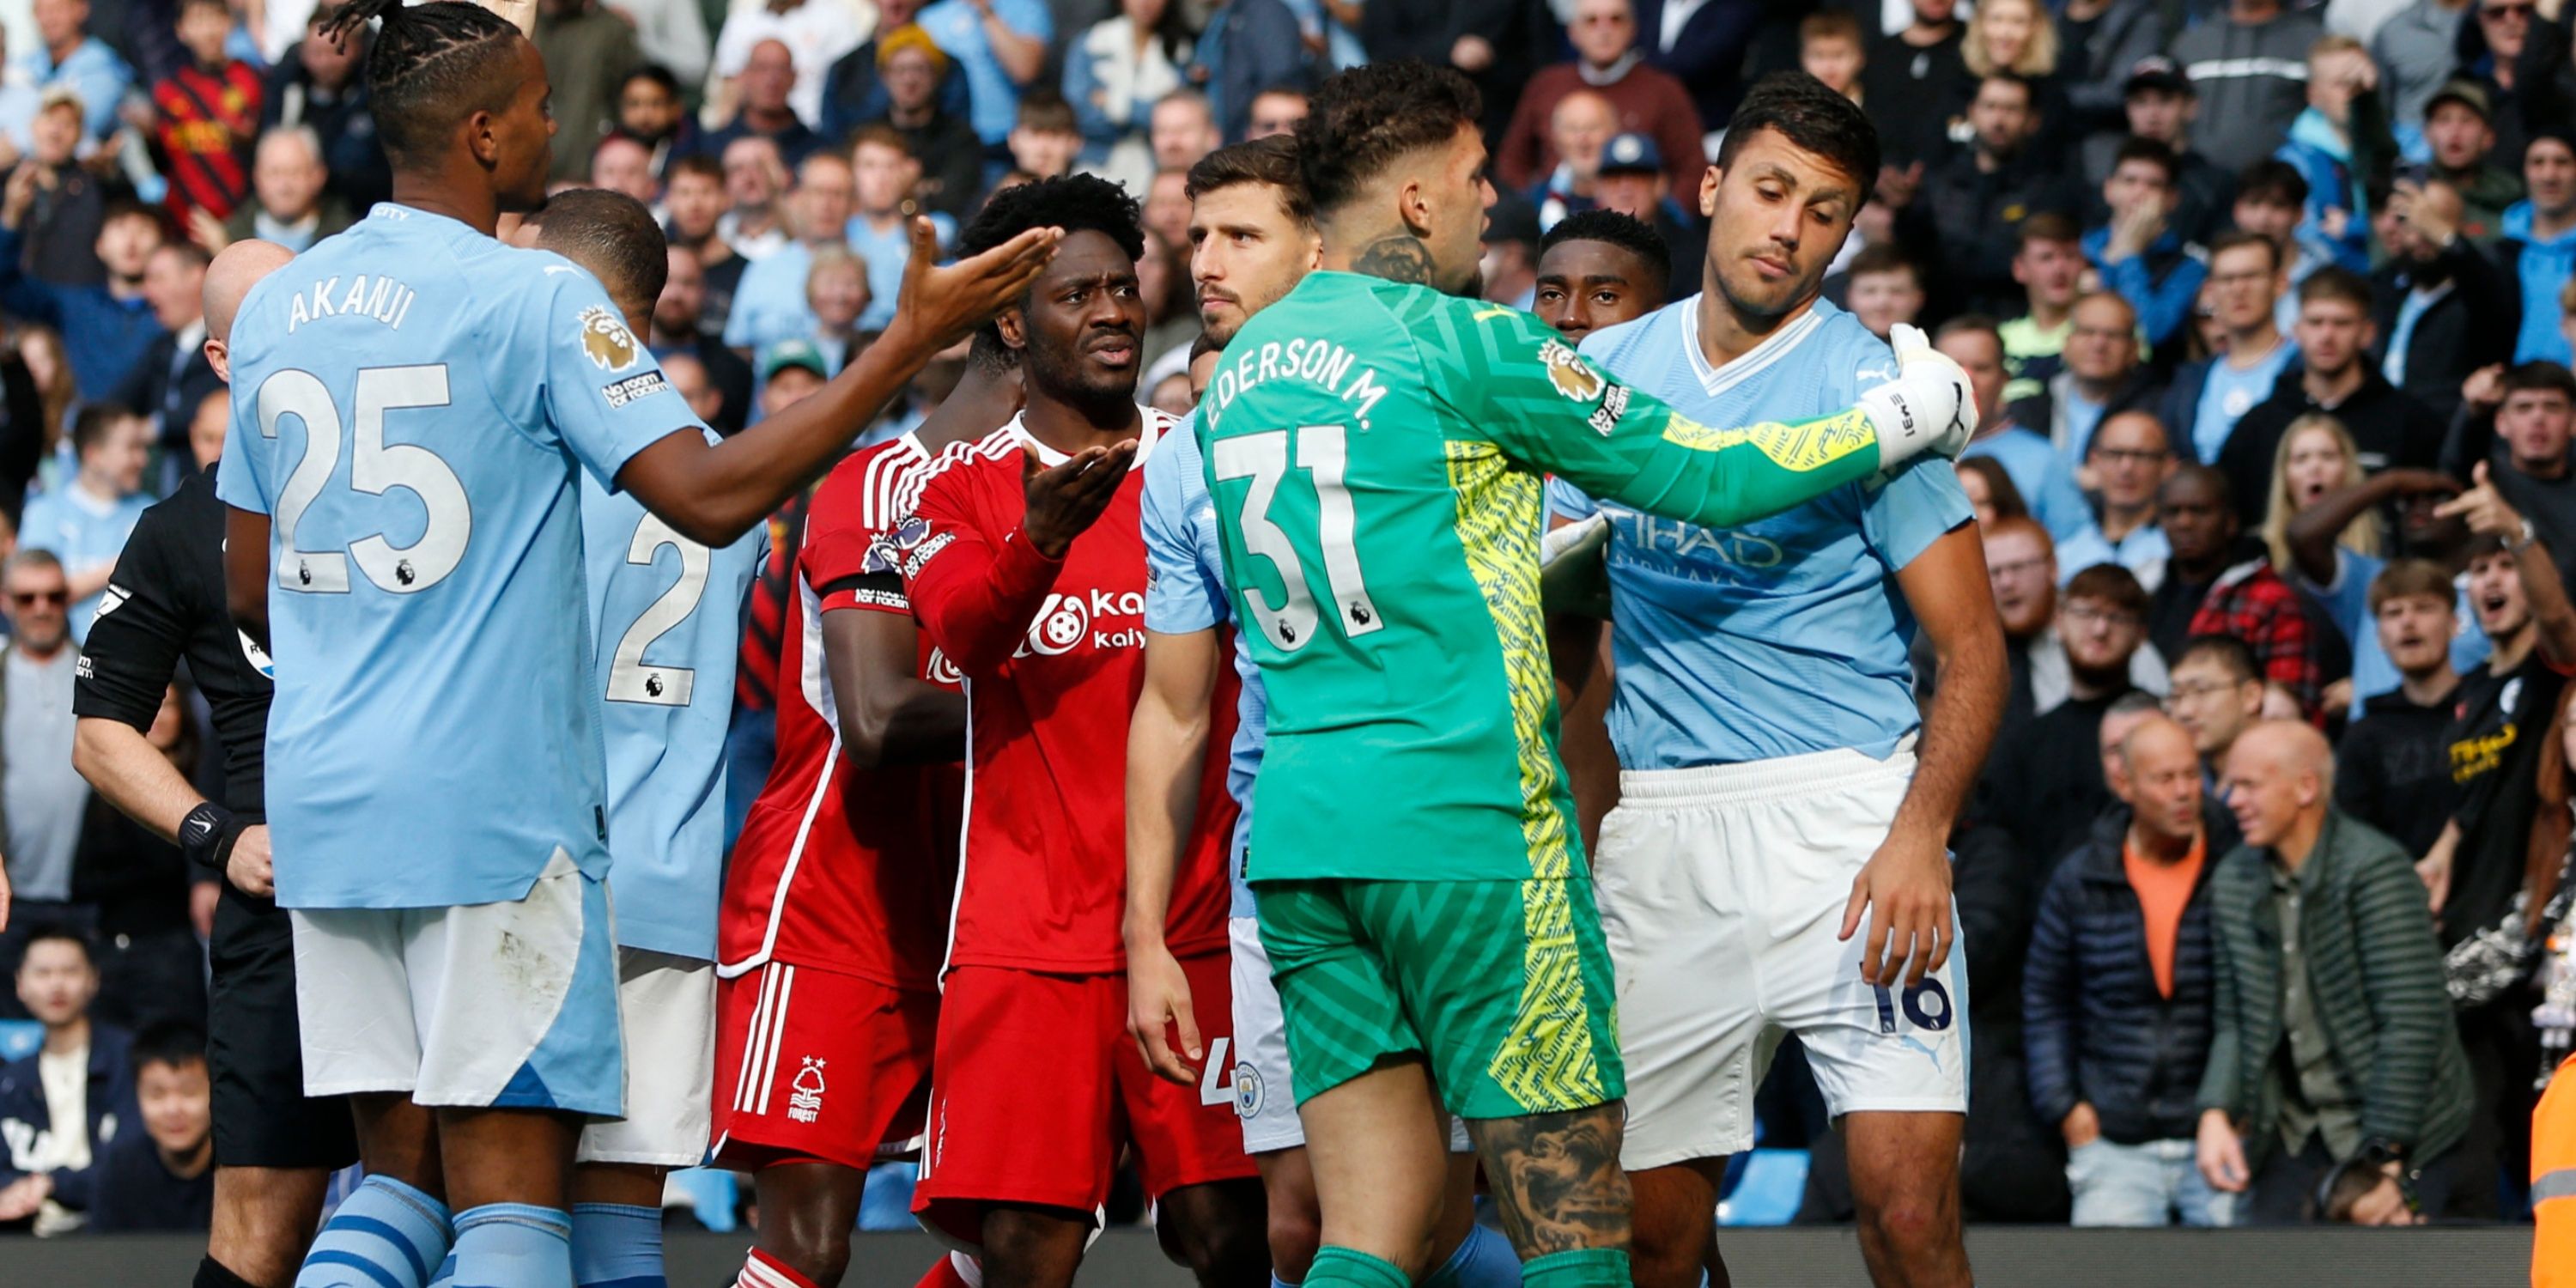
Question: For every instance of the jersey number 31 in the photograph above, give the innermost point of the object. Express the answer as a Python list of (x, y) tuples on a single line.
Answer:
[(1322, 451), (375, 467)]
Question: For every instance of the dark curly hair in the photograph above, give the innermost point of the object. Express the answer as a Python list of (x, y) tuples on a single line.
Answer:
[(1074, 202), (430, 66), (1619, 229), (1362, 120)]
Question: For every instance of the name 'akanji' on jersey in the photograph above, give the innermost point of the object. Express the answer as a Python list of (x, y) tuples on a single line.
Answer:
[(379, 297), (1319, 362)]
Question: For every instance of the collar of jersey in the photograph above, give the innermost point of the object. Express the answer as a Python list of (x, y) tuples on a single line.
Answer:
[(1713, 381), (1151, 425)]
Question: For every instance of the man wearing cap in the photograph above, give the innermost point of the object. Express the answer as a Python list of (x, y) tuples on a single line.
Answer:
[(854, 90), (1646, 99), (2160, 104), (2459, 132), (1967, 217), (951, 156), (2539, 246), (789, 371), (1632, 182)]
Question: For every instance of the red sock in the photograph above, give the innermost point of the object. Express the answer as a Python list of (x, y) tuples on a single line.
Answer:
[(761, 1270), (945, 1273)]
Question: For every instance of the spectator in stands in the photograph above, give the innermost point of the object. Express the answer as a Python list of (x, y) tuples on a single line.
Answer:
[(159, 1173), (1704, 47), (1046, 141), (1510, 265), (810, 34), (1496, 44), (689, 380), (1631, 182), (1277, 110), (68, 56), (70, 203), (2333, 1039), (1245, 47), (624, 165), (2021, 571), (952, 167), (679, 328), (2272, 200), (1990, 492), (1833, 49), (1579, 127), (2048, 266), (694, 195), (60, 1107), (2416, 49), (2315, 457), (755, 175), (1116, 75), (2340, 145), (836, 293), (2539, 247), (2522, 445), (2042, 476), (764, 107), (1183, 129), (2160, 106), (854, 90), (2107, 41), (2393, 770), (2442, 305), (770, 305), (1167, 208), (2521, 51), (84, 522), (2140, 252), (2248, 65), (2334, 377), (105, 328), (883, 176), (2459, 132), (2246, 278), (2129, 460), (1883, 289), (291, 204), (2118, 990), (588, 52), (1643, 99), (322, 83), (2099, 377), (2016, 36), (1002, 47), (1971, 206), (208, 117), (2248, 600), (173, 375), (2217, 695), (1916, 83), (671, 39), (2049, 776)]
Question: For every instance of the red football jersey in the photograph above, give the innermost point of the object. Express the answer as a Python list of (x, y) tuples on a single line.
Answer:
[(1054, 658), (842, 868)]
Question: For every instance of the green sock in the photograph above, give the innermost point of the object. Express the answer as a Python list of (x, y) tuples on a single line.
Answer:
[(1579, 1268), (1352, 1268)]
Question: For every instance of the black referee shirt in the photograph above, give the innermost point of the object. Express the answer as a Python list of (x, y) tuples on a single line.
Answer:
[(166, 602)]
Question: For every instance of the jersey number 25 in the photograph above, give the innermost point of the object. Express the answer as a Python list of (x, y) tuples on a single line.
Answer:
[(375, 467)]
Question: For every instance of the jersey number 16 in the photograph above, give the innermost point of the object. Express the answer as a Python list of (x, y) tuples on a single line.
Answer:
[(1322, 451)]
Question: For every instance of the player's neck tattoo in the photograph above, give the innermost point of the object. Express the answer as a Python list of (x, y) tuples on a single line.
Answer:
[(1400, 258)]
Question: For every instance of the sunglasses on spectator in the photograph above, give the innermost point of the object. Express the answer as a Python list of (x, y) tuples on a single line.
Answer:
[(2506, 10), (24, 598)]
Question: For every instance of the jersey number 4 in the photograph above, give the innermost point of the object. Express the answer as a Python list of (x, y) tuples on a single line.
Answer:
[(375, 467), (1322, 451)]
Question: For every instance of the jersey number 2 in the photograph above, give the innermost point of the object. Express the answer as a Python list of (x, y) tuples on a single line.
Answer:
[(1322, 451), (629, 679), (375, 467)]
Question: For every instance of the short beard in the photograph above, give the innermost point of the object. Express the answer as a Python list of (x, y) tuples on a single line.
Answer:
[(1064, 378)]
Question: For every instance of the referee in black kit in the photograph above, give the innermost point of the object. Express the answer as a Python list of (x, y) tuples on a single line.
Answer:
[(275, 1150)]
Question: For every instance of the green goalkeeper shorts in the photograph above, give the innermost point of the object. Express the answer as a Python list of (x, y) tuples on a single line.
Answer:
[(1503, 986)]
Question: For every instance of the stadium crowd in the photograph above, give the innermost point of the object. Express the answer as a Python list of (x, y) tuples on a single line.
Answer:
[(2267, 310)]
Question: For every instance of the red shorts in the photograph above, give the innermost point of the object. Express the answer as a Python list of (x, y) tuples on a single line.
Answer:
[(1039, 1085), (811, 1064)]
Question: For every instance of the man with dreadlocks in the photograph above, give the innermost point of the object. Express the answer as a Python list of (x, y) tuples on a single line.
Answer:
[(424, 605)]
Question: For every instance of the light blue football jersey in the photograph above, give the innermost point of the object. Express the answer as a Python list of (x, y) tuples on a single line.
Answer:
[(1185, 592), (666, 616), (411, 401), (1784, 636)]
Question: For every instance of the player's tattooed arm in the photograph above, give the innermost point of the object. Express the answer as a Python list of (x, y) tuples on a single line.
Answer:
[(1556, 1178), (1398, 258)]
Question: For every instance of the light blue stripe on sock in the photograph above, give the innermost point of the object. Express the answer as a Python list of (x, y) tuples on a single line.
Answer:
[(334, 1257), (385, 1231)]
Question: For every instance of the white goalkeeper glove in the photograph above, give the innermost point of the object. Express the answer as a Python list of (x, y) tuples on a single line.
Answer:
[(1573, 572), (1928, 407)]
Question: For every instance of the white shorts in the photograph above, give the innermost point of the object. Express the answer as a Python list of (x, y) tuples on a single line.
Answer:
[(495, 1005), (1722, 893), (1261, 1095), (669, 1006)]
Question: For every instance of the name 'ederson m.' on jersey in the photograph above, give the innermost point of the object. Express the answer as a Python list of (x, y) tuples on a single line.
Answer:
[(1376, 452), (411, 401)]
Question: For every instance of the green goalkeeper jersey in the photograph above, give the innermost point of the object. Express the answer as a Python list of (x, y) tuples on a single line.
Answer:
[(1375, 453)]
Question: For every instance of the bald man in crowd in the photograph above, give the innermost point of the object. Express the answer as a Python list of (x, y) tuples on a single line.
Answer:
[(2332, 1040)]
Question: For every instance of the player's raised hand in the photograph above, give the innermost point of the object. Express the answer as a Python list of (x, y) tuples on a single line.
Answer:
[(1065, 498), (940, 305), (521, 14), (1158, 1008), (1905, 888), (1928, 407)]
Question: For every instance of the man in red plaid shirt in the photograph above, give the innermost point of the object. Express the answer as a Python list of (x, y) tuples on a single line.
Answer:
[(2244, 597), (209, 113)]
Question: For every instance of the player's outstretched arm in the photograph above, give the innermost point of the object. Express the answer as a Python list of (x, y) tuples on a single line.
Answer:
[(713, 494), (888, 715), (1167, 742)]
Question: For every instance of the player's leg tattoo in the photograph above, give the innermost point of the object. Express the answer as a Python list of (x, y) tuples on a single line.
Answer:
[(1556, 1178)]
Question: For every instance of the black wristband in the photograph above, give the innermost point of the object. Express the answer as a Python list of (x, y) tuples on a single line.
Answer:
[(206, 836)]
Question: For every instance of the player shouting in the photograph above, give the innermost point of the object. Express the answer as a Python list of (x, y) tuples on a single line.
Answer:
[(1765, 722), (1374, 449), (1025, 564), (415, 401)]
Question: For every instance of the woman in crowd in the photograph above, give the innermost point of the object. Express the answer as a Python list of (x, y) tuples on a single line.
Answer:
[(1114, 74), (1991, 494), (2317, 456)]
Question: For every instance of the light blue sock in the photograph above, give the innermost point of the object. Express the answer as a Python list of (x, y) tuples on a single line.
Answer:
[(1277, 1282), (384, 1235), (617, 1245), (513, 1245), (1484, 1259)]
